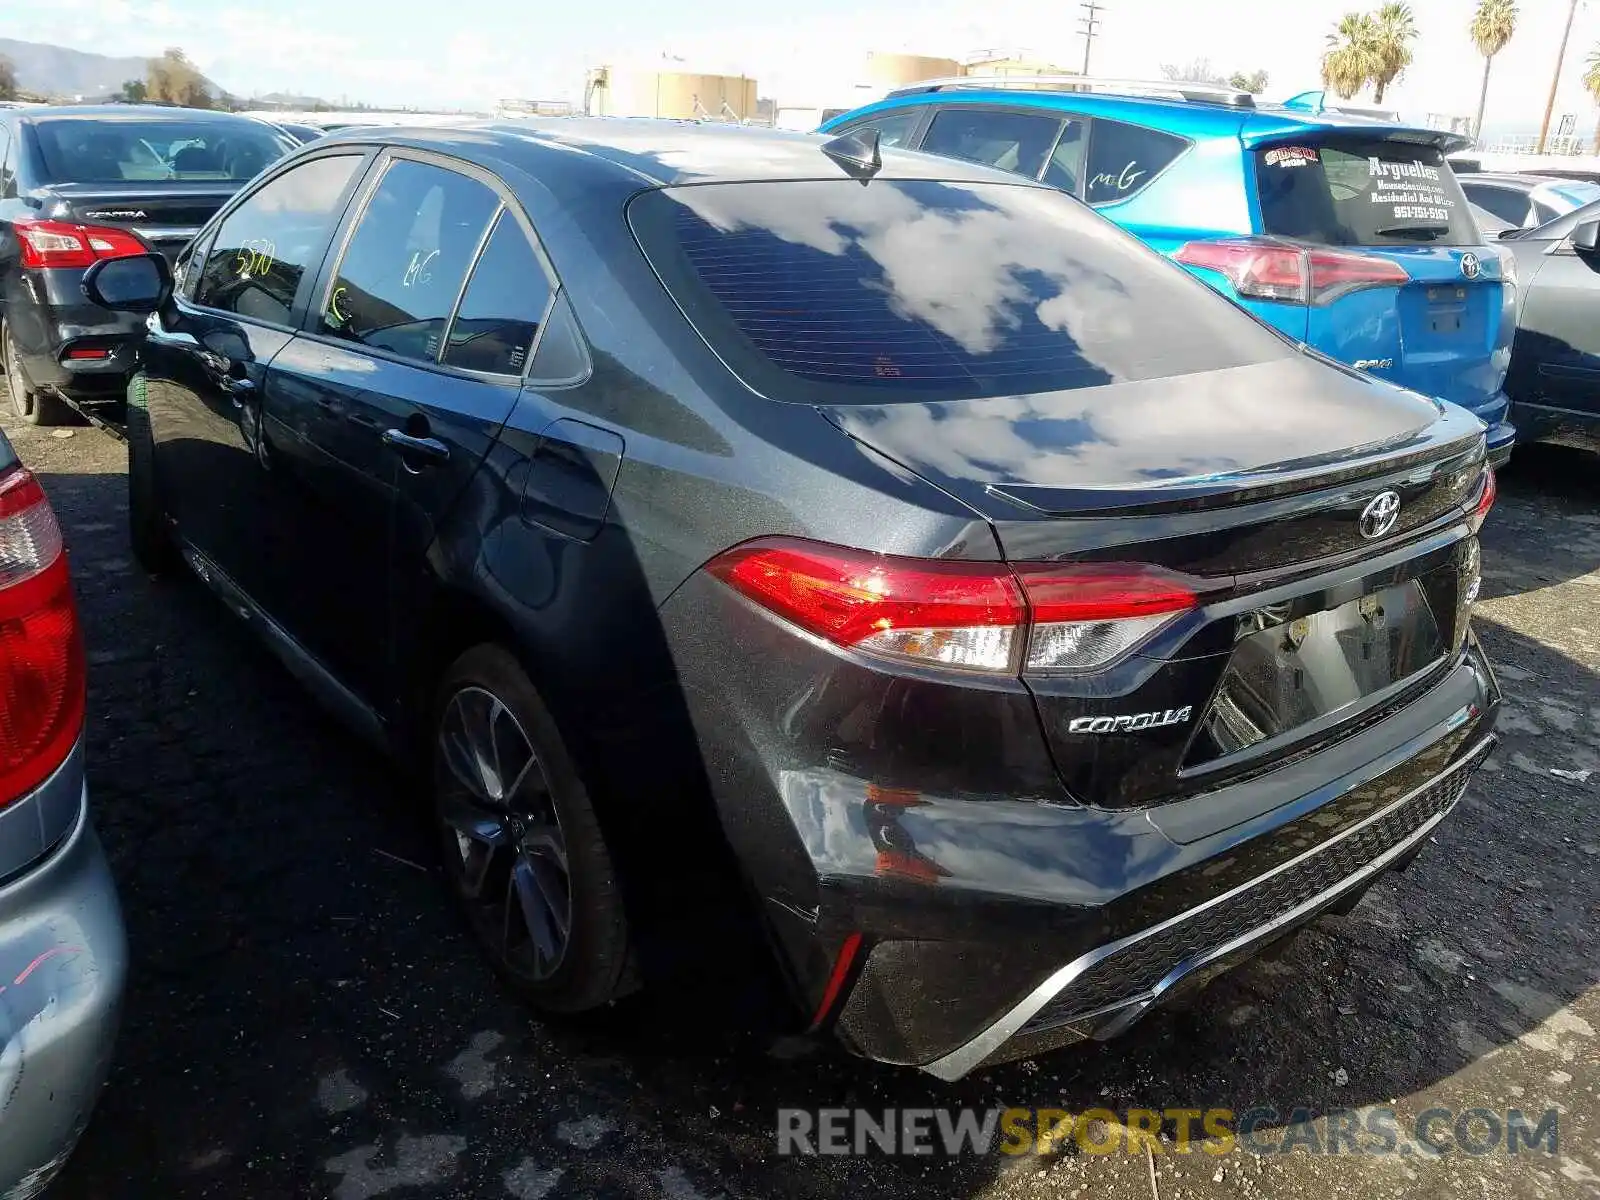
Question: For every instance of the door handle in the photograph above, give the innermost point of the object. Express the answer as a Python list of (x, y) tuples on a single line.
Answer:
[(428, 448)]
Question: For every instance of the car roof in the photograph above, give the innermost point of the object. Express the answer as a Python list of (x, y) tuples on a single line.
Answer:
[(1192, 118), (126, 112), (648, 150)]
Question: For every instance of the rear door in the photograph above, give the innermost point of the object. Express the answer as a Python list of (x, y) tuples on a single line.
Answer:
[(1446, 331), (379, 413)]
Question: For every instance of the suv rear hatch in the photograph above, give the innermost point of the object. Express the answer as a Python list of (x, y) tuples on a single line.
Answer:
[(1291, 540), (1417, 295)]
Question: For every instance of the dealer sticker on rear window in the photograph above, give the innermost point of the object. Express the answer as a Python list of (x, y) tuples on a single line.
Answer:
[(1414, 190), (1290, 156)]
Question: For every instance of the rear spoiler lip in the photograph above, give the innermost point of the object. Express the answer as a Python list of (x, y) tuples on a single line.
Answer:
[(1292, 130), (1450, 437)]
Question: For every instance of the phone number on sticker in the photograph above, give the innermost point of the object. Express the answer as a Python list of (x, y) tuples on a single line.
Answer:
[(1420, 212)]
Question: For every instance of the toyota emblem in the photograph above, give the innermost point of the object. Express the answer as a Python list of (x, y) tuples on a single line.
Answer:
[(1380, 514), (1471, 268)]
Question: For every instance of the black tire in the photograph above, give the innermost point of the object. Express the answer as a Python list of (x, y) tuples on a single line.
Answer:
[(594, 966), (152, 544), (29, 404)]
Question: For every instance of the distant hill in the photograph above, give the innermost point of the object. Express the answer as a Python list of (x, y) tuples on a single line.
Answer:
[(49, 70)]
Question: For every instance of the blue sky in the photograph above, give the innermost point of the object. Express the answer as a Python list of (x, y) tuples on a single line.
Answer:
[(470, 53)]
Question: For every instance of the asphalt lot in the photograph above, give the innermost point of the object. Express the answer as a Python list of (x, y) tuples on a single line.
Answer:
[(307, 1020)]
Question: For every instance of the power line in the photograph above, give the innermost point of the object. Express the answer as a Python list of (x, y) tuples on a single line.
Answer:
[(1090, 26)]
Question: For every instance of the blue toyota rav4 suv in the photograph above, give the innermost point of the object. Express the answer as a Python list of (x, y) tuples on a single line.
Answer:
[(1347, 233)]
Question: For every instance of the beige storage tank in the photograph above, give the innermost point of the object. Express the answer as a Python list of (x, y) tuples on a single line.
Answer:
[(677, 94), (897, 70), (1014, 66)]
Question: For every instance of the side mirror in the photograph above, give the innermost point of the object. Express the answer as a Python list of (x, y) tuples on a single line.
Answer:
[(140, 284), (1585, 236)]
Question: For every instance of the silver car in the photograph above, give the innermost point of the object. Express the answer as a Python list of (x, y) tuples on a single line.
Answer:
[(63, 953)]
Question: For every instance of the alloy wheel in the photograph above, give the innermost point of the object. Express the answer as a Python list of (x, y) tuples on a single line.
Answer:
[(504, 845)]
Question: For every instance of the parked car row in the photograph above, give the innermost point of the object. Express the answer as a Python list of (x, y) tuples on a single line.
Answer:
[(1348, 233), (883, 547)]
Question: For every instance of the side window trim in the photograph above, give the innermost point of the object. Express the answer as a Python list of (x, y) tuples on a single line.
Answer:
[(466, 282), (356, 209), (921, 118), (298, 309)]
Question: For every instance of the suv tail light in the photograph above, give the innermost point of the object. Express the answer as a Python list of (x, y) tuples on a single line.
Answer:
[(1263, 269), (985, 617), (41, 646), (63, 244)]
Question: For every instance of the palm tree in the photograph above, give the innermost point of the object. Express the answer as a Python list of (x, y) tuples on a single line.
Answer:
[(1491, 28), (1350, 59), (1392, 29), (1591, 83)]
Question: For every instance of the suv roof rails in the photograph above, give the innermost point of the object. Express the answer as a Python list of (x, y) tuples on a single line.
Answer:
[(1160, 89)]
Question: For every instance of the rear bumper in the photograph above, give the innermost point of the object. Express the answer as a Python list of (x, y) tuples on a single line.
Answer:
[(63, 965), (1104, 992), (932, 891), (50, 320), (1502, 437)]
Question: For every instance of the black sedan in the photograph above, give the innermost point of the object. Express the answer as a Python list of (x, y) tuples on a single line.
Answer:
[(886, 548), (80, 185), (1554, 379)]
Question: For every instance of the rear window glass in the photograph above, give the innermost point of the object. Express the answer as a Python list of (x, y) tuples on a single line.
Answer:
[(116, 151), (1362, 193), (930, 290)]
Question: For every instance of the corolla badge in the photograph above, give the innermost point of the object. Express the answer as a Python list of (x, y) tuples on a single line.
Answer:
[(1131, 721), (1471, 268), (1380, 514)]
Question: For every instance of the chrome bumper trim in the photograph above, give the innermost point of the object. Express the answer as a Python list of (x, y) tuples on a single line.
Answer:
[(963, 1059)]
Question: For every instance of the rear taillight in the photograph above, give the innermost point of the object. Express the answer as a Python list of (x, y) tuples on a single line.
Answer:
[(64, 244), (41, 648), (1262, 269), (1488, 491), (970, 616)]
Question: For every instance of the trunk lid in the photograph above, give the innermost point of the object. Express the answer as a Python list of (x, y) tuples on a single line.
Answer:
[(166, 215), (1256, 484)]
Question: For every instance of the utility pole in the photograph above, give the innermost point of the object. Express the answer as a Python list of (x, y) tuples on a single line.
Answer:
[(1090, 25), (1555, 80)]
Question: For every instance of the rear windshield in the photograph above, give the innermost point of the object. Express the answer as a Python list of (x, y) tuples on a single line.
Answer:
[(1362, 193), (926, 290), (117, 151)]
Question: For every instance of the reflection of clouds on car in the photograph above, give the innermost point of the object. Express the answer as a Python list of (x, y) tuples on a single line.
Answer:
[(1004, 269)]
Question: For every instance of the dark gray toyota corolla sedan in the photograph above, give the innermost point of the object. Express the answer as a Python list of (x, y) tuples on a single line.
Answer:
[(886, 548)]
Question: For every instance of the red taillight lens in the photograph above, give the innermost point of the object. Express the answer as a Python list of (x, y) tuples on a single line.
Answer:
[(974, 616), (1488, 492), (958, 614), (1261, 269), (41, 647), (64, 244)]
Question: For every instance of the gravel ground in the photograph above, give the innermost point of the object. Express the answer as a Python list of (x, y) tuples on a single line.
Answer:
[(306, 1019)]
